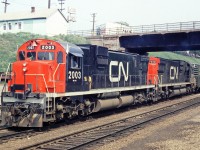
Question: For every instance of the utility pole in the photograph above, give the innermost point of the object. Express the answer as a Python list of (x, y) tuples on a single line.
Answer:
[(93, 21), (61, 2), (49, 4), (5, 7)]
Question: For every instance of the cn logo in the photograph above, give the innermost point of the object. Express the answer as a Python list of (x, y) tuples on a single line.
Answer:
[(121, 70), (173, 73)]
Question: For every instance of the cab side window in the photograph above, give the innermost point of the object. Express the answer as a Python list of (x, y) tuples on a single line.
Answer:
[(31, 55), (45, 55), (60, 57), (75, 62)]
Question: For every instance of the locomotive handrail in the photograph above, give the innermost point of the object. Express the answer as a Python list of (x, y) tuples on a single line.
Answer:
[(54, 82), (7, 70), (54, 75), (44, 83), (42, 77), (133, 80), (1, 77), (155, 78)]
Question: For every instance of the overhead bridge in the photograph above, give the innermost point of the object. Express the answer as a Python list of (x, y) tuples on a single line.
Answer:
[(165, 37)]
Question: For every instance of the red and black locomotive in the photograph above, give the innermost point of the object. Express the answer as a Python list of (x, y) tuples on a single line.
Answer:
[(52, 81)]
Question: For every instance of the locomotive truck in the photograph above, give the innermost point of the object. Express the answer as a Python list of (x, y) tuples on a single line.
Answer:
[(53, 81)]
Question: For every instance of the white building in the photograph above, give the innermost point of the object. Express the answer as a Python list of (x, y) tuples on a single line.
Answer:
[(45, 22), (110, 28)]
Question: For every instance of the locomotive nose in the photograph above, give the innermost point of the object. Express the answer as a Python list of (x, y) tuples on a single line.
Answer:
[(39, 71), (31, 77)]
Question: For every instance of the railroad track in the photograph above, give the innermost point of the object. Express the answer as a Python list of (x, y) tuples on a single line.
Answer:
[(11, 134), (8, 135), (99, 135), (2, 128)]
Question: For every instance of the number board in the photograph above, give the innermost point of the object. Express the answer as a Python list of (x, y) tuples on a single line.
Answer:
[(30, 47), (74, 75), (48, 47)]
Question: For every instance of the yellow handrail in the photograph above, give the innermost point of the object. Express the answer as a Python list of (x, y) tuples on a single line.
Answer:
[(42, 77), (54, 76)]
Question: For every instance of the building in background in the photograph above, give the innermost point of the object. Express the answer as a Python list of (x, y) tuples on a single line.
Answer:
[(45, 22), (111, 28)]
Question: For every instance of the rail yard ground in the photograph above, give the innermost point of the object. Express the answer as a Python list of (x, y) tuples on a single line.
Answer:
[(179, 132), (175, 132)]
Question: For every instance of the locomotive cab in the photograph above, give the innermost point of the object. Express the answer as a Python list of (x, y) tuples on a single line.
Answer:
[(43, 67), (74, 65), (39, 68)]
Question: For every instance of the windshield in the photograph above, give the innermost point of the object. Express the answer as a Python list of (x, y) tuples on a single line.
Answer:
[(40, 55), (31, 55), (75, 62), (45, 55)]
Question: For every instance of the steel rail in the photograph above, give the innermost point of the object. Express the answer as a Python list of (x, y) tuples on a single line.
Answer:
[(3, 128), (5, 137)]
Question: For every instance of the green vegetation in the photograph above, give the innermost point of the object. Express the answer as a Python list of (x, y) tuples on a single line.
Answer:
[(9, 43), (174, 56)]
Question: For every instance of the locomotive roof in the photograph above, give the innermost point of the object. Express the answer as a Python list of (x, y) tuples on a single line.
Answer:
[(171, 59), (87, 46), (72, 49)]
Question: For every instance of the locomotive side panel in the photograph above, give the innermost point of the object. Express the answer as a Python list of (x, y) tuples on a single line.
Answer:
[(120, 70), (95, 65), (74, 73), (173, 71), (106, 69), (184, 72), (153, 67)]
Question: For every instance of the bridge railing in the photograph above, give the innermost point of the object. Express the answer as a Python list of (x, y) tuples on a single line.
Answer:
[(143, 29)]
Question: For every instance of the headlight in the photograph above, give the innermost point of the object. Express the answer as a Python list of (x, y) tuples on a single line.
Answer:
[(24, 69), (24, 64)]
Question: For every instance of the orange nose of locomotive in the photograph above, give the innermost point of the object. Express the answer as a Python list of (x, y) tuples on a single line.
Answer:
[(32, 76), (37, 69)]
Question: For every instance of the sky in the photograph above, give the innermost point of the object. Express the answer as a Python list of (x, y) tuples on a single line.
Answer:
[(134, 12)]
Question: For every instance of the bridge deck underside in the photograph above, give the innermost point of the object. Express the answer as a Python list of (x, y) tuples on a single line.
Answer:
[(179, 41)]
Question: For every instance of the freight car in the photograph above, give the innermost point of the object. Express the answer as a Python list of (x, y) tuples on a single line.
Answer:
[(51, 81)]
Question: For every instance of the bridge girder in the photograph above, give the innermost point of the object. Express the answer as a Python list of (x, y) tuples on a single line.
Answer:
[(178, 41)]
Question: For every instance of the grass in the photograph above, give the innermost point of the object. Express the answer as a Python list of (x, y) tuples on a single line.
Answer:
[(174, 56)]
